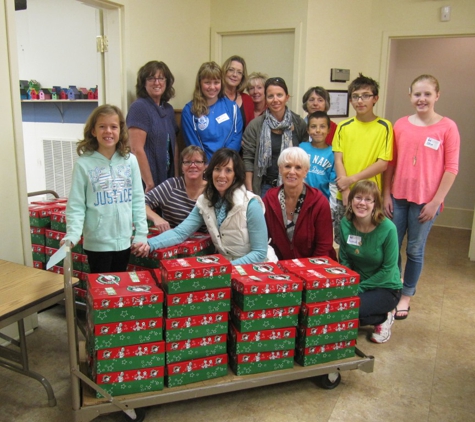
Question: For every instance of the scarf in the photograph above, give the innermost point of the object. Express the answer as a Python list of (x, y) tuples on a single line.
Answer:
[(290, 226), (220, 210), (265, 144)]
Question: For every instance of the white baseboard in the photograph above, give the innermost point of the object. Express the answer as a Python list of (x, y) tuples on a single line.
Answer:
[(455, 218)]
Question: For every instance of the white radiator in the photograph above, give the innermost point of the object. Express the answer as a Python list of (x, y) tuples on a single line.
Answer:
[(59, 159)]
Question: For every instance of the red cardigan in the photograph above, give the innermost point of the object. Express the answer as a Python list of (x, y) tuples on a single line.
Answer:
[(313, 235), (248, 106)]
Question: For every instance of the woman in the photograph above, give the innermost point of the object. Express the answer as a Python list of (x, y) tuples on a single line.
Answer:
[(427, 147), (234, 217), (235, 81), (152, 125), (318, 99), (211, 121), (176, 197), (298, 216), (266, 136), (255, 87), (369, 247)]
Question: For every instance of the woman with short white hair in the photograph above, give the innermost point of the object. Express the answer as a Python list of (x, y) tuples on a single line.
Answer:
[(298, 216)]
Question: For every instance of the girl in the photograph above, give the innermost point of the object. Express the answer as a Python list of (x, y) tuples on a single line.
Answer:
[(369, 247), (106, 198), (211, 121), (419, 177)]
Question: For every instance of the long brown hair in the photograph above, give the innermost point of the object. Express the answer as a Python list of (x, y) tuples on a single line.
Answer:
[(367, 187), (227, 64), (208, 70), (89, 144)]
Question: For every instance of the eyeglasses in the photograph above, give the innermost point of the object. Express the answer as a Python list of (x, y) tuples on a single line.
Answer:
[(361, 199), (189, 163), (233, 71), (364, 97), (153, 79)]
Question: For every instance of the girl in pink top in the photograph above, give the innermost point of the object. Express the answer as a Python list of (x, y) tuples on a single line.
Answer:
[(426, 156)]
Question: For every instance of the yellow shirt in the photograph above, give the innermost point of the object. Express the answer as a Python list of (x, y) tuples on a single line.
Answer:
[(362, 144)]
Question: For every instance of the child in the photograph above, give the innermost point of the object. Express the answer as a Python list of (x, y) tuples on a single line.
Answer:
[(106, 198), (321, 174), (418, 179), (363, 145)]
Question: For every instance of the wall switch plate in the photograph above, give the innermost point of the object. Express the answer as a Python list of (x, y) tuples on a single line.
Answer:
[(445, 13)]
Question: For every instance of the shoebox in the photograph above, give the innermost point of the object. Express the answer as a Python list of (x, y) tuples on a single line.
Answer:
[(189, 327), (37, 235), (321, 313), (40, 215), (38, 264), (328, 333), (49, 252), (197, 244), (198, 303), (264, 319), (52, 201), (202, 369), (38, 253), (256, 269), (152, 260), (254, 363), (261, 341), (53, 238), (80, 262), (183, 350), (194, 273), (314, 355), (136, 356), (123, 333), (324, 279), (132, 267), (131, 381), (58, 221), (267, 291), (123, 296), (56, 269)]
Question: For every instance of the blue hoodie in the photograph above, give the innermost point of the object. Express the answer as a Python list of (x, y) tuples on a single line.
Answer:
[(105, 202)]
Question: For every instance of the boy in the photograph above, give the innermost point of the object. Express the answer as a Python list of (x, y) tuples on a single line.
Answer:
[(362, 145), (322, 170)]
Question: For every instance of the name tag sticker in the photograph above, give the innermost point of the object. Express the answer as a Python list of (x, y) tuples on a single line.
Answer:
[(354, 240), (432, 143), (222, 118)]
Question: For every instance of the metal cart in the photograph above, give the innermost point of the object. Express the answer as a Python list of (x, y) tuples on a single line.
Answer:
[(85, 407)]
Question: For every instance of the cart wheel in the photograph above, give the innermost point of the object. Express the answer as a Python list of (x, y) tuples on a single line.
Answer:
[(140, 415), (330, 381)]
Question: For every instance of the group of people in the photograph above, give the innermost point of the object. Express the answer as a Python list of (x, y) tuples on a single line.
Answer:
[(264, 183)]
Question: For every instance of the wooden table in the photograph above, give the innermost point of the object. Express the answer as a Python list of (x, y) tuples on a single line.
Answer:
[(24, 291)]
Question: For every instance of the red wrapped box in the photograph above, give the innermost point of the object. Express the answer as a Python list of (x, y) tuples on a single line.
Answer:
[(321, 313), (198, 303), (184, 328)]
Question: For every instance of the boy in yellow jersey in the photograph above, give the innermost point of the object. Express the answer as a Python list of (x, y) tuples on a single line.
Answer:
[(363, 144)]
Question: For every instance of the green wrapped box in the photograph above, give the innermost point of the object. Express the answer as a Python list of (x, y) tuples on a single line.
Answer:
[(320, 295), (183, 350), (182, 373), (255, 363), (321, 313), (264, 319), (261, 341), (38, 253), (198, 303), (328, 333), (314, 355), (195, 326), (37, 235)]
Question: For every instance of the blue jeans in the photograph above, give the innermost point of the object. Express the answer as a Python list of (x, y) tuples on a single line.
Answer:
[(375, 305), (264, 188), (405, 217)]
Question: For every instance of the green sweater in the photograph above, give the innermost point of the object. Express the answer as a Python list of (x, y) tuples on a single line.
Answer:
[(376, 259)]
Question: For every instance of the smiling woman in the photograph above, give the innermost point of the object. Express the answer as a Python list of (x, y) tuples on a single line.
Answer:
[(266, 136), (211, 121), (152, 126)]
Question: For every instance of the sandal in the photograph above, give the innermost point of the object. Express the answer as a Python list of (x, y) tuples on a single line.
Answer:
[(400, 317)]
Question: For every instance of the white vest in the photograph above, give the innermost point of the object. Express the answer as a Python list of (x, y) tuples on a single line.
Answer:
[(232, 238)]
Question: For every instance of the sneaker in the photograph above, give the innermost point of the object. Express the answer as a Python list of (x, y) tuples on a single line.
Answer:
[(382, 332)]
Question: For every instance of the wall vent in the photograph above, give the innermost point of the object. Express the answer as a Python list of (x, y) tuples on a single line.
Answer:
[(60, 156)]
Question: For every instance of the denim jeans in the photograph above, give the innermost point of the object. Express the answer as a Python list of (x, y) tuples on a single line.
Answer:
[(405, 217), (375, 305), (264, 188)]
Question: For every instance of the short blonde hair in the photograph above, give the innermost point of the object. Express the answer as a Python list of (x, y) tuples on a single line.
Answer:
[(294, 155)]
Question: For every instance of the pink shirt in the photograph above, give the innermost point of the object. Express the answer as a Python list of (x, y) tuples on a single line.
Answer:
[(421, 155)]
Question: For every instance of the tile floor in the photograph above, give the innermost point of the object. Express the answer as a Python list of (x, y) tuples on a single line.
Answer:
[(426, 372)]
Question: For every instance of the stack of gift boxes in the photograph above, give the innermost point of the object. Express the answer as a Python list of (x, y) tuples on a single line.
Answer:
[(328, 320), (124, 334), (264, 313), (47, 229), (197, 302)]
